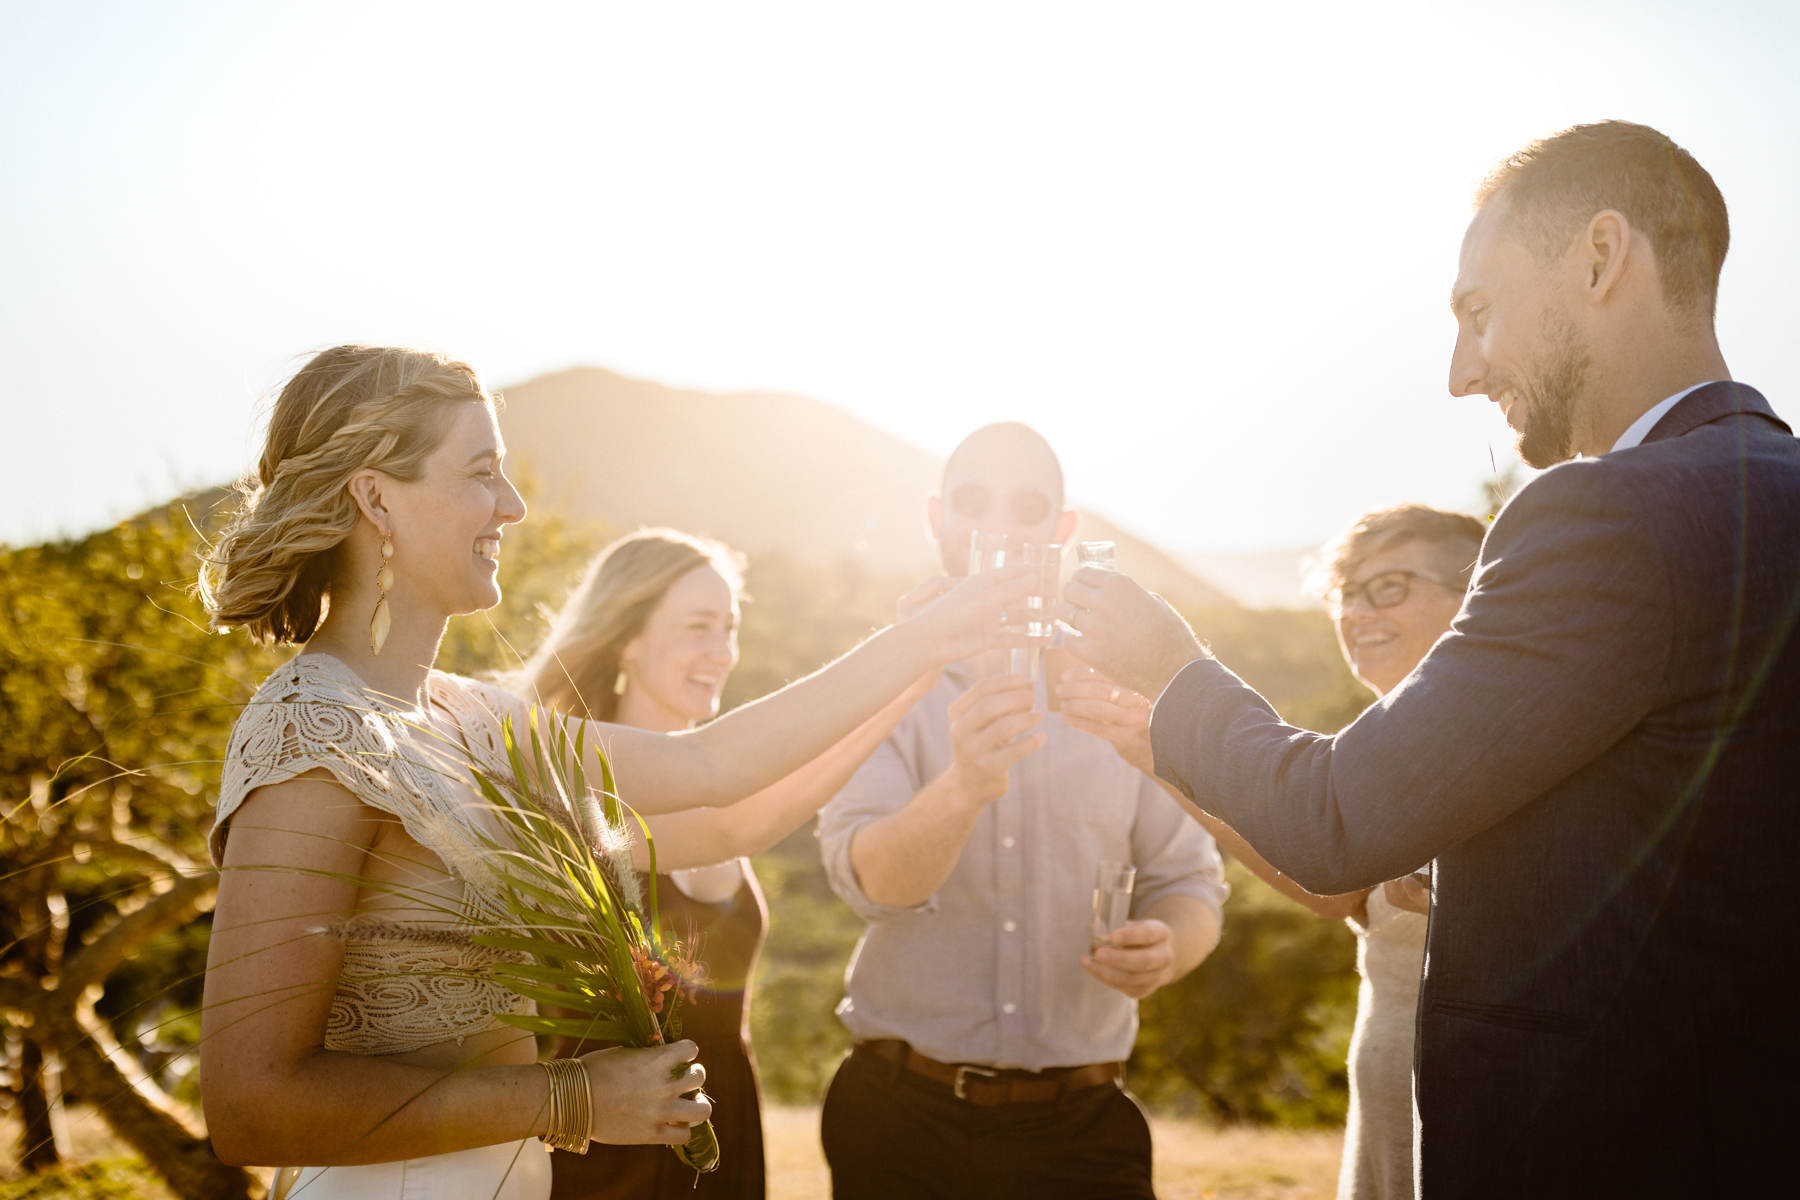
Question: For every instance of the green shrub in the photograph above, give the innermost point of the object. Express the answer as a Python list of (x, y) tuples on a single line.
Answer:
[(103, 1179)]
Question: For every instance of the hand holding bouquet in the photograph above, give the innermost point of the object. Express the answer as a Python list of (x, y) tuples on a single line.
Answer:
[(558, 873)]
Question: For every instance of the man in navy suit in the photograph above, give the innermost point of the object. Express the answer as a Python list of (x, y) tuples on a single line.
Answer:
[(1603, 755)]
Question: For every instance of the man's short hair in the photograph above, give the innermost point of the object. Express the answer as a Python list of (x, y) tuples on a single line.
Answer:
[(1455, 541), (1557, 184), (1009, 433)]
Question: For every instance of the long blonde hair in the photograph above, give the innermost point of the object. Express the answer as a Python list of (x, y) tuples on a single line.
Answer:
[(575, 667), (348, 408)]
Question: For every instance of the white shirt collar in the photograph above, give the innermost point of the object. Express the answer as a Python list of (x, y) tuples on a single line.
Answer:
[(1638, 430)]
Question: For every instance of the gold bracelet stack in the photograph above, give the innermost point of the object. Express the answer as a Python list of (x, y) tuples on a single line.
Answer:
[(571, 1122)]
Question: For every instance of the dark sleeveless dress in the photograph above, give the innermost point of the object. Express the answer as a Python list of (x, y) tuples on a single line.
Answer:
[(730, 935)]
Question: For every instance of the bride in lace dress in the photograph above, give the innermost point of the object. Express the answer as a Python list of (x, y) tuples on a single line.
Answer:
[(350, 1028)]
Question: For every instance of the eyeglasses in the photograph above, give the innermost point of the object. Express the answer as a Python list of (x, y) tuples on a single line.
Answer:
[(1381, 591), (973, 500)]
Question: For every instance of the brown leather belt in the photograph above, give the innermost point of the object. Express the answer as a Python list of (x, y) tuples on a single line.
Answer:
[(990, 1086)]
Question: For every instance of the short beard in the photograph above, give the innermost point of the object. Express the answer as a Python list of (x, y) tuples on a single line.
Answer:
[(1548, 435)]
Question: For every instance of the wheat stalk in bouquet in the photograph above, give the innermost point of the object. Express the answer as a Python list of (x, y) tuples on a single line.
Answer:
[(559, 874)]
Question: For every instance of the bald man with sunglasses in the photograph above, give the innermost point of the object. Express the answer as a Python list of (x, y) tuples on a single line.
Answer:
[(989, 1041)]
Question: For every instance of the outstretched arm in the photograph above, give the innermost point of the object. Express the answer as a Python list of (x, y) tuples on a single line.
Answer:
[(757, 744), (697, 837), (1351, 905), (1121, 717), (1556, 655)]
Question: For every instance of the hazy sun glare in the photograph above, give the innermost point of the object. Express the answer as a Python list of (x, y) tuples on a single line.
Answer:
[(1204, 251)]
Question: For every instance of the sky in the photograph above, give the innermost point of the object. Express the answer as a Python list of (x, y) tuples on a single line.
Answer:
[(1205, 249)]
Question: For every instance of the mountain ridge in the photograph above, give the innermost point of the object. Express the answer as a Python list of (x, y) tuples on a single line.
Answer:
[(763, 471)]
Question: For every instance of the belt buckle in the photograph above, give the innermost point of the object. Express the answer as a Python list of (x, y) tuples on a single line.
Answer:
[(959, 1081)]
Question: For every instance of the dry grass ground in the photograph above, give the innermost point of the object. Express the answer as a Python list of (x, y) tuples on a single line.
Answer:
[(1193, 1161)]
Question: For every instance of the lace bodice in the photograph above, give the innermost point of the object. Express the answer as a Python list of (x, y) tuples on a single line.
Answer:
[(403, 984)]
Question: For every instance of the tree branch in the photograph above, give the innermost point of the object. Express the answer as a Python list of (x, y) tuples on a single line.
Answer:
[(191, 896), (170, 862), (21, 995), (184, 1159)]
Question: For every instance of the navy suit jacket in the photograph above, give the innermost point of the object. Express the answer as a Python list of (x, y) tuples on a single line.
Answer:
[(1603, 758)]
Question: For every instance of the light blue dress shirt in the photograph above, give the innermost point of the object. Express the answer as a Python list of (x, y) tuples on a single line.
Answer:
[(988, 970)]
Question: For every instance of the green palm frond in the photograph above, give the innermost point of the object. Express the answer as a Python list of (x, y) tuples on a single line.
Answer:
[(566, 895), (580, 1028)]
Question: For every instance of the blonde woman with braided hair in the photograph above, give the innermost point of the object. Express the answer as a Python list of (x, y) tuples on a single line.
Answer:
[(350, 1031)]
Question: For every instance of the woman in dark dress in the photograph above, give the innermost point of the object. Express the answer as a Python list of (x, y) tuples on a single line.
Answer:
[(648, 639)]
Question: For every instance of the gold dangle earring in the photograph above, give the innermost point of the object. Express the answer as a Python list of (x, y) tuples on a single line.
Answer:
[(384, 579), (619, 682)]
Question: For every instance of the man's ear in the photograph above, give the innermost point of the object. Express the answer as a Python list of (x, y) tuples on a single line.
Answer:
[(1065, 525), (934, 516), (1606, 249), (365, 488)]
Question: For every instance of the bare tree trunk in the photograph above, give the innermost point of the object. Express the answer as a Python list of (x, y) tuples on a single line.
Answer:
[(42, 1133), (182, 1157), (44, 925), (102, 1074), (64, 1026), (110, 1078)]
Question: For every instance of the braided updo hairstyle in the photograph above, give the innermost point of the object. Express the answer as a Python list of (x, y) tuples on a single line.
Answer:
[(349, 408)]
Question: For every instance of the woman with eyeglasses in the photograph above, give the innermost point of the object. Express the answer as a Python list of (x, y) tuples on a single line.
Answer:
[(1394, 581)]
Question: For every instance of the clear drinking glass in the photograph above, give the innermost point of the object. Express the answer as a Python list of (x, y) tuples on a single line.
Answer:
[(1045, 561), (989, 551), (1112, 900), (1100, 554)]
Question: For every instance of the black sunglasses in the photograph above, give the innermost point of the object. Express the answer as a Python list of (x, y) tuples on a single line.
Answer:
[(973, 500), (1381, 591)]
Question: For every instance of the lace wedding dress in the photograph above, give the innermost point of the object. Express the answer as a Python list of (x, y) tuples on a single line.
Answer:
[(405, 984)]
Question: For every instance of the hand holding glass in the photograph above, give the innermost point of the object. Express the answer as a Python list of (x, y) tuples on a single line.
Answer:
[(1112, 901), (1045, 561), (1099, 554), (989, 551)]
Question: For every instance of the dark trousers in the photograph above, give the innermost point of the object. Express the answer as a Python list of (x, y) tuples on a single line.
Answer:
[(890, 1135)]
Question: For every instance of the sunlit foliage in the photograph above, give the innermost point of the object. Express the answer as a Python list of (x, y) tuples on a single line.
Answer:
[(118, 701)]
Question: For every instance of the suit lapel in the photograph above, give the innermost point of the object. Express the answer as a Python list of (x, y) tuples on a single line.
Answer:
[(1711, 403)]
